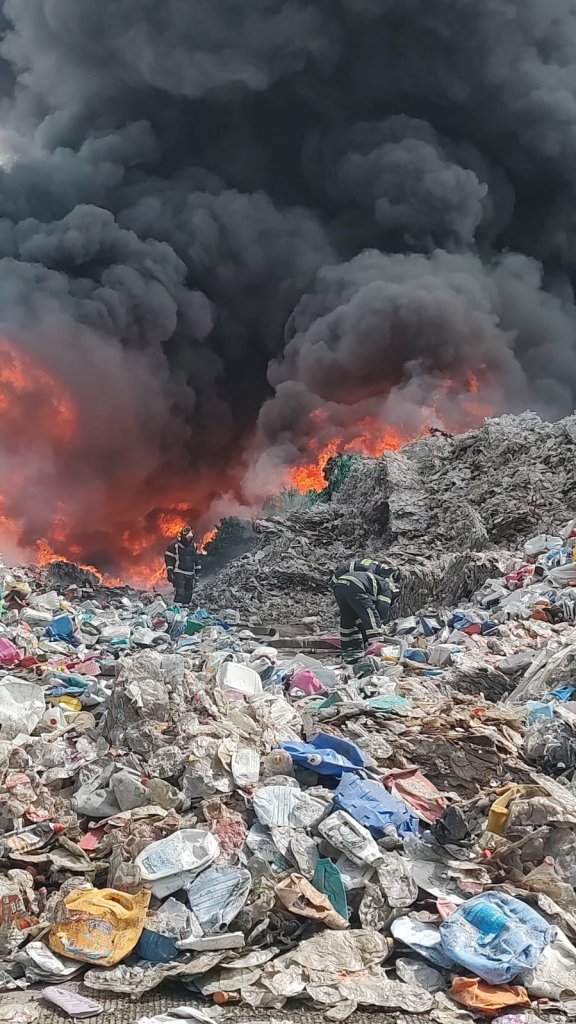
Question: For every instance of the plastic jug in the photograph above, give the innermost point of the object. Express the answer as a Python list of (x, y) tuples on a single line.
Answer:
[(191, 849), (101, 925)]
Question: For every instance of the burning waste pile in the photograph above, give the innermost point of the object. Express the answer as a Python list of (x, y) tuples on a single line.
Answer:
[(187, 796), (448, 511)]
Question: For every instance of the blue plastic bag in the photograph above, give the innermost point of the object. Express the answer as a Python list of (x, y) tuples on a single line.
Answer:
[(496, 937), (371, 805), (325, 754)]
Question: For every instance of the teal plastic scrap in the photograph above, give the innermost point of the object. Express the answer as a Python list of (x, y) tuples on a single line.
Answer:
[(328, 880), (388, 702)]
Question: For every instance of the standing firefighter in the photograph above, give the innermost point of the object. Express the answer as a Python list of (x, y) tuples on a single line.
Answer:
[(182, 564), (365, 591)]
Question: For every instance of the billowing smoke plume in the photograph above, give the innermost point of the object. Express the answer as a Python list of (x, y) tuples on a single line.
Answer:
[(229, 228)]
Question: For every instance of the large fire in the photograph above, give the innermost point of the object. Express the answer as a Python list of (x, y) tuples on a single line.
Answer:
[(119, 530), (372, 439), (369, 436)]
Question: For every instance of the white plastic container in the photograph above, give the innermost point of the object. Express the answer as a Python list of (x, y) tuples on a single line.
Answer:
[(237, 681), (190, 849)]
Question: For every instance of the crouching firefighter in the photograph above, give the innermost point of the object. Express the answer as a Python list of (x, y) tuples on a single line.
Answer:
[(364, 600), (182, 564)]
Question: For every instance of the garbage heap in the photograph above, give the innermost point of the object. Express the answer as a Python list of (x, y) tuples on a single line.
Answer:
[(188, 797), (449, 511)]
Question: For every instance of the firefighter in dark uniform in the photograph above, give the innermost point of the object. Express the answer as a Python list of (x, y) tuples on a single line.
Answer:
[(365, 590), (182, 564)]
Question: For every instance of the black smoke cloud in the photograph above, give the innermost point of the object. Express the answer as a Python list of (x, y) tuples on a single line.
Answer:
[(218, 219)]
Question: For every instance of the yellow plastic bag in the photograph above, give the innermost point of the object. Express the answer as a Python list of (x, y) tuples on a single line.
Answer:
[(101, 926), (70, 702)]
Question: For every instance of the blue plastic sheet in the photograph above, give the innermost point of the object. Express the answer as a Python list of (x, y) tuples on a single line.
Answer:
[(325, 754), (459, 620), (496, 937), (328, 880), (416, 654), (539, 709), (72, 680), (563, 692), (371, 805), (387, 702), (157, 948), (62, 628)]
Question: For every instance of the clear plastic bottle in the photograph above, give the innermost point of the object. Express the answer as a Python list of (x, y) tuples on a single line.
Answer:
[(277, 762)]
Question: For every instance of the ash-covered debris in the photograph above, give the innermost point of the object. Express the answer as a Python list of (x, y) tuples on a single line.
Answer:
[(64, 574), (448, 511)]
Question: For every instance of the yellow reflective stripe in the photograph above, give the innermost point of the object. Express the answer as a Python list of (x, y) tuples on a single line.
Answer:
[(372, 617), (351, 579)]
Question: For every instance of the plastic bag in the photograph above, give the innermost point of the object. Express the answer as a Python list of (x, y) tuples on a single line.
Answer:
[(300, 897), (288, 805), (412, 787), (164, 927), (495, 936), (101, 926), (72, 1003), (540, 544), (488, 998), (62, 628), (550, 744), (22, 705), (305, 682), (9, 653), (423, 938), (554, 976), (245, 766)]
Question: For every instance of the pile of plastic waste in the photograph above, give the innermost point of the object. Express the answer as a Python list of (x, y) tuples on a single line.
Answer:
[(448, 511), (185, 796)]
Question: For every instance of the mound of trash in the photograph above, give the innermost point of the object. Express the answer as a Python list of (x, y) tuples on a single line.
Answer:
[(187, 798), (449, 511)]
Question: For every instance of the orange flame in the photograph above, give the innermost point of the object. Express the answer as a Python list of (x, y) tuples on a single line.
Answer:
[(171, 522), (206, 540), (372, 437), (45, 555), (38, 415), (31, 403)]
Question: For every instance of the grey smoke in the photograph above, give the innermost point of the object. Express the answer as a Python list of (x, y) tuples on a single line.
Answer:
[(217, 219)]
